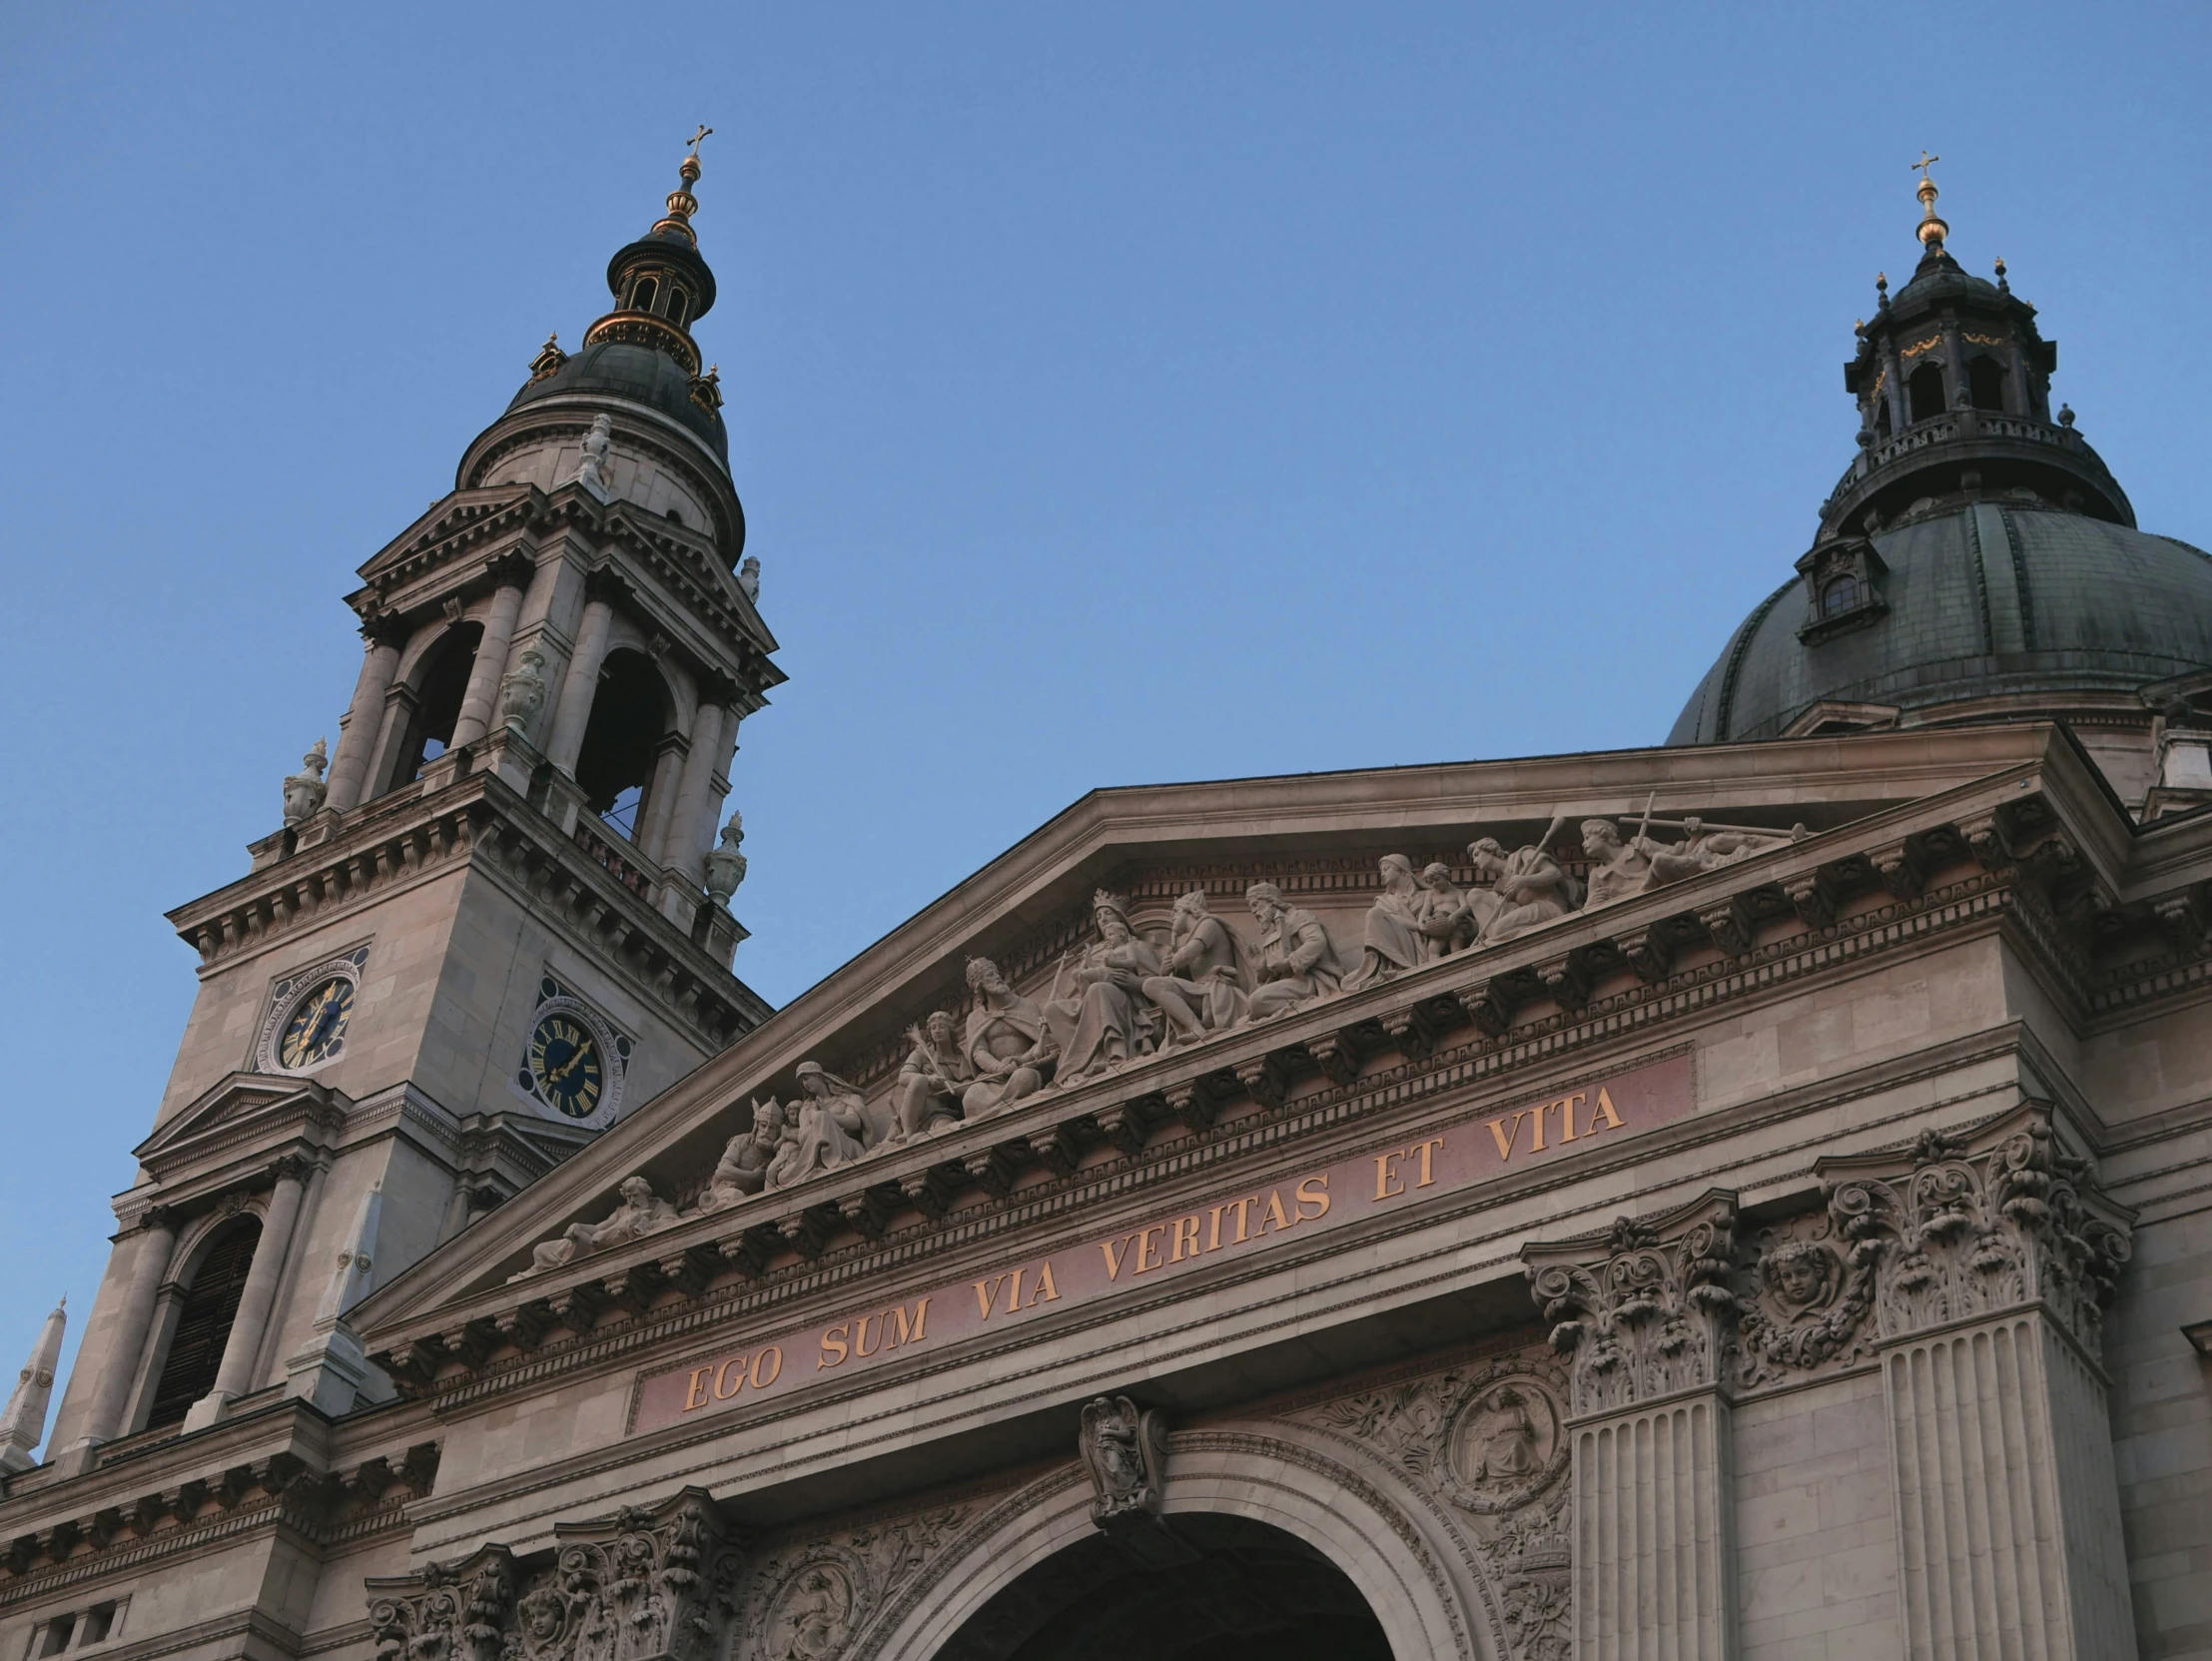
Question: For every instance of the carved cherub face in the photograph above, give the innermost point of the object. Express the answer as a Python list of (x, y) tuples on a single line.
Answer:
[(1114, 928), (1436, 879), (541, 1616), (1798, 1272)]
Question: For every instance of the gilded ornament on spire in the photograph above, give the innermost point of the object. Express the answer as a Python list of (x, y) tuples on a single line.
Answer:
[(1933, 230), (681, 202)]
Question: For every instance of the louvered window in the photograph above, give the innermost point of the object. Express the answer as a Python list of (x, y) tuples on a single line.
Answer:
[(204, 1324)]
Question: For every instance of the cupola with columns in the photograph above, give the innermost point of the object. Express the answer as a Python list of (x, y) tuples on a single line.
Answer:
[(501, 922)]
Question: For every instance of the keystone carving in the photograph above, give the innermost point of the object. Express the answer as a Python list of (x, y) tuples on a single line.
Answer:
[(1126, 1451)]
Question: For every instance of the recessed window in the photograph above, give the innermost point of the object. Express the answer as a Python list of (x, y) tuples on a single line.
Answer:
[(1986, 381), (1926, 391), (678, 302), (1841, 595), (644, 295)]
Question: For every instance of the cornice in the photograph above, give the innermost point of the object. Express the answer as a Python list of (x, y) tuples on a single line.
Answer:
[(478, 824)]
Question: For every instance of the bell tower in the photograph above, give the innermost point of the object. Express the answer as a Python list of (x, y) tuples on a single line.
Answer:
[(502, 920)]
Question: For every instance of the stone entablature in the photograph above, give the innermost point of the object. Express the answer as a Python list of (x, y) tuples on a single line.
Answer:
[(1894, 882), (475, 815)]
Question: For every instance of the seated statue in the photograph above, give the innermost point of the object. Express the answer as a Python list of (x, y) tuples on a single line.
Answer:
[(743, 1169), (1202, 987), (831, 1129), (1102, 1020), (1394, 943), (1005, 1041), (931, 1080), (639, 1211), (1618, 869), (1296, 961), (1446, 915), (1530, 887)]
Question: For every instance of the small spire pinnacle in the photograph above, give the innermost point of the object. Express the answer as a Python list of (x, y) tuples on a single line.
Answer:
[(681, 202), (1933, 230)]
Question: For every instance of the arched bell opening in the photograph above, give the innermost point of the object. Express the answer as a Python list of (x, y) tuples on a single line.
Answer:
[(1986, 383), (434, 696), (214, 1282), (1199, 1587), (1925, 391), (621, 765)]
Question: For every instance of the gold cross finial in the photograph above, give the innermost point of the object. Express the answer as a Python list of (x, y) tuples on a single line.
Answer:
[(699, 138), (1925, 163)]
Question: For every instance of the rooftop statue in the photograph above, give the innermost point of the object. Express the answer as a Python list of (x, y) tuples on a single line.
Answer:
[(1006, 1040), (593, 473), (1102, 1018), (1528, 886), (1295, 962), (1446, 914), (743, 1169), (1394, 942), (931, 1079), (640, 1213), (1206, 977)]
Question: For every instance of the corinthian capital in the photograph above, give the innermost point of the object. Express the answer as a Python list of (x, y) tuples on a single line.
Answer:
[(1957, 1227), (1644, 1310), (458, 1611)]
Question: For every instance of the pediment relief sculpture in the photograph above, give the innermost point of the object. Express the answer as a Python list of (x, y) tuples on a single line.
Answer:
[(1128, 990), (638, 1213)]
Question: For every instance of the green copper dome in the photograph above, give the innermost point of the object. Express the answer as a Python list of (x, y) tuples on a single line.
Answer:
[(2006, 605)]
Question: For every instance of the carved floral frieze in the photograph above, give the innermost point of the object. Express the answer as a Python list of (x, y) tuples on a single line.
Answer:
[(810, 1602)]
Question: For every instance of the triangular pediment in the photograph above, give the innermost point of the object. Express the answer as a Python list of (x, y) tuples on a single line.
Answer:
[(241, 1114), (1799, 811)]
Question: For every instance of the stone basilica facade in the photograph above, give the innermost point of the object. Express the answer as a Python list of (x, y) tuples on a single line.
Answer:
[(1750, 1197)]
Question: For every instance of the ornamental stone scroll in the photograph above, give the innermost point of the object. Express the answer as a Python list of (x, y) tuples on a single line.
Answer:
[(458, 1611)]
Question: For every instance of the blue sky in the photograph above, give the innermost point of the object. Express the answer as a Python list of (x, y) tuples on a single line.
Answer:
[(1118, 394)]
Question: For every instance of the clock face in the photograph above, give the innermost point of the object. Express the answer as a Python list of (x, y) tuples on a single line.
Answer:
[(315, 1029), (566, 1066)]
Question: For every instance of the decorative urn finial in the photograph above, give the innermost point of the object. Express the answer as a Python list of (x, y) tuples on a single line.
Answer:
[(303, 790), (726, 865)]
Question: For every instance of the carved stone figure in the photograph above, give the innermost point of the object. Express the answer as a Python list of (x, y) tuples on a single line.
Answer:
[(523, 691), (743, 1169), (811, 1616), (1707, 848), (1126, 1451), (446, 1612), (829, 1129), (1102, 1020), (1296, 960), (1445, 915), (932, 1079), (1618, 869), (1006, 1040), (1530, 888), (725, 864), (593, 473), (305, 790), (1202, 984), (1394, 942), (748, 579), (640, 1213)]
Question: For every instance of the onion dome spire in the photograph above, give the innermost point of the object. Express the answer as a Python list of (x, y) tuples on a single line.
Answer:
[(660, 284), (1933, 230)]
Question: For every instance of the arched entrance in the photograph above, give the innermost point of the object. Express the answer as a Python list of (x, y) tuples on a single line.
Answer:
[(1204, 1586)]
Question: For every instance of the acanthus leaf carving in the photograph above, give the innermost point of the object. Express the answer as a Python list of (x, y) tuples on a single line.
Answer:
[(458, 1611), (809, 1601), (654, 1583)]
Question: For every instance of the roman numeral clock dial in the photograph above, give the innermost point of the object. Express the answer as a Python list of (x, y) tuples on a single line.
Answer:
[(566, 1066)]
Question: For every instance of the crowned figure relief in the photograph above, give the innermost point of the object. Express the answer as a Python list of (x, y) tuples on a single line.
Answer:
[(1206, 977), (742, 1170), (1007, 1042), (1098, 1014)]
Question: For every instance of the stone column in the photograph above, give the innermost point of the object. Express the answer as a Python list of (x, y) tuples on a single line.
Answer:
[(491, 655), (125, 1344), (1993, 1259), (235, 1377), (660, 803), (574, 712), (690, 830), (1644, 1314), (365, 720)]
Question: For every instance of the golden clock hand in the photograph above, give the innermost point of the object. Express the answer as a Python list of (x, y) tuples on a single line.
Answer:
[(567, 1067)]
